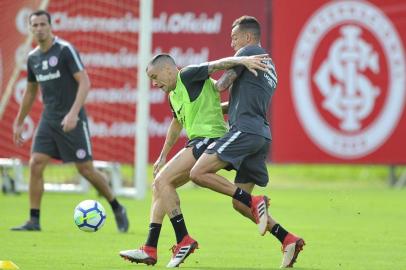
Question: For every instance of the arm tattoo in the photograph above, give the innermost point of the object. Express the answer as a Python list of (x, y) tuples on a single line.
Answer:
[(226, 80), (223, 64)]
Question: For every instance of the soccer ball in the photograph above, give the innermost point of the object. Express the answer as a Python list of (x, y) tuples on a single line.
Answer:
[(89, 216)]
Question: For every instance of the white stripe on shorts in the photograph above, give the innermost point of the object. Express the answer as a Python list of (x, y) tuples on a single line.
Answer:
[(205, 141), (89, 148), (235, 135)]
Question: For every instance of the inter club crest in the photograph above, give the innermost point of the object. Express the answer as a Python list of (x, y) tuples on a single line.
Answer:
[(347, 80)]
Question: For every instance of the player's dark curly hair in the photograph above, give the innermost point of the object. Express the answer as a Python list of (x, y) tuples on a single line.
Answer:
[(40, 13), (249, 24)]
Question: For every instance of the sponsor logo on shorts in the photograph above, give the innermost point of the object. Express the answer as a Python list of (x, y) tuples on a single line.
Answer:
[(80, 153), (53, 61), (211, 145)]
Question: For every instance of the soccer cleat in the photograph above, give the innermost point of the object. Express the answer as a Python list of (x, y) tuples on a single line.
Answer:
[(182, 250), (144, 254), (121, 219), (28, 226), (259, 209), (291, 247)]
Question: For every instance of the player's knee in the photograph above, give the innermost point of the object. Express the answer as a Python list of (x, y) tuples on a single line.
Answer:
[(36, 164), (157, 186), (196, 176), (86, 171)]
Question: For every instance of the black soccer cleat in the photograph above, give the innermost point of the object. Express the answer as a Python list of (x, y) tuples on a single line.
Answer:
[(121, 219), (28, 226)]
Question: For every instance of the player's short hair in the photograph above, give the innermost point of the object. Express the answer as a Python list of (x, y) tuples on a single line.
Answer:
[(162, 58), (248, 24), (40, 13)]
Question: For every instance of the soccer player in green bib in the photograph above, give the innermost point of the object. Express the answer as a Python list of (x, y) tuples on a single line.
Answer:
[(196, 107)]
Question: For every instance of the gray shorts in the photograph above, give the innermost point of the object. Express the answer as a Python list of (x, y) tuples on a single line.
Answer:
[(246, 153), (72, 146), (199, 145)]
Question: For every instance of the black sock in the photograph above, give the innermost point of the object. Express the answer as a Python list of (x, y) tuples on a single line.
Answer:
[(114, 204), (153, 235), (242, 196), (34, 215), (279, 232), (179, 226)]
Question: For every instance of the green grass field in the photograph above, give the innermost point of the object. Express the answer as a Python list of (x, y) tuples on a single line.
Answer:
[(348, 217)]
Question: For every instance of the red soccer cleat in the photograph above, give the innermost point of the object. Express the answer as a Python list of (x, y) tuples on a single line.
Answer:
[(259, 209), (182, 250), (291, 247), (144, 254)]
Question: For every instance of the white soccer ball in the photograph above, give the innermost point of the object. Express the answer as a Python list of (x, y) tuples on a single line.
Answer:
[(89, 216)]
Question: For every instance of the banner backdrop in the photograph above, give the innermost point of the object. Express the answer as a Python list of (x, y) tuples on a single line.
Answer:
[(340, 64), (341, 94), (106, 35)]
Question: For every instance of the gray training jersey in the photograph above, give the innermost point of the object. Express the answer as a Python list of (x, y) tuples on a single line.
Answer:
[(250, 96), (54, 70)]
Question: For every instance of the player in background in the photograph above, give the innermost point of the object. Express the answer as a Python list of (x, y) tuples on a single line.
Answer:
[(245, 146), (63, 131), (195, 104)]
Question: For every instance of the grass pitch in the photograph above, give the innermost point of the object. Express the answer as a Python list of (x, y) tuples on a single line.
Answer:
[(352, 224)]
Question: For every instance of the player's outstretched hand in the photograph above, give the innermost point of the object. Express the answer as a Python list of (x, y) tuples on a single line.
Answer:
[(256, 62), (69, 122), (17, 134), (159, 163)]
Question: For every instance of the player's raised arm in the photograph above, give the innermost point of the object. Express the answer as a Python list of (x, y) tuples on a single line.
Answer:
[(252, 63)]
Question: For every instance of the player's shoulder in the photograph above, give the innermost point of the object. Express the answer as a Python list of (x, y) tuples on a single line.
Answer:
[(64, 45), (191, 71), (62, 42), (250, 50), (34, 52)]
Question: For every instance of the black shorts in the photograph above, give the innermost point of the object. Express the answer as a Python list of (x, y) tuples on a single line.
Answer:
[(199, 145), (247, 153), (72, 146)]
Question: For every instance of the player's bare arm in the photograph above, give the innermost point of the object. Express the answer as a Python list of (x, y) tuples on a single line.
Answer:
[(25, 108), (70, 121), (172, 136), (226, 80), (252, 63)]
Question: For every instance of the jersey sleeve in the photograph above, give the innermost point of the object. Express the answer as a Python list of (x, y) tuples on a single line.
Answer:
[(194, 73), (72, 59), (193, 77), (30, 74)]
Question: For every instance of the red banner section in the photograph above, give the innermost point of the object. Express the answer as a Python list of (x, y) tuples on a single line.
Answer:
[(341, 94), (106, 35), (341, 69)]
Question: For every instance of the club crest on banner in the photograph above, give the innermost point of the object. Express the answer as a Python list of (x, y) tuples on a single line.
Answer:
[(348, 78)]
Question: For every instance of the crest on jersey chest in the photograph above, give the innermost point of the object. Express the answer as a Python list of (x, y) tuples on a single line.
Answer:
[(347, 78)]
